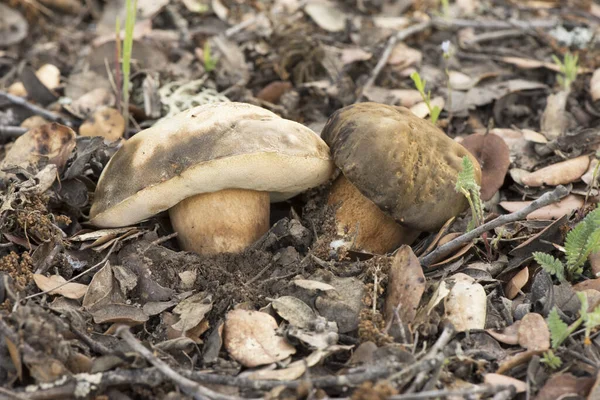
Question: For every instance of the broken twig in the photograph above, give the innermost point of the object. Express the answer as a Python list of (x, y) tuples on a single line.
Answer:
[(548, 198), (36, 109)]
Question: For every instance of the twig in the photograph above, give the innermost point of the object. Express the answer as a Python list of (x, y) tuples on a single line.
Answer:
[(547, 198), (186, 385), (399, 36), (35, 109), (257, 276), (12, 131), (448, 393), (458, 23)]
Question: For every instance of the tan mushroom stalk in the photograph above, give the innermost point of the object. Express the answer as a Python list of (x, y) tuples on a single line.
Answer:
[(398, 175), (216, 168)]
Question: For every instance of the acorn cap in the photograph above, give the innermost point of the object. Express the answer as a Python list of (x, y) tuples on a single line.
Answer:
[(206, 149), (404, 164)]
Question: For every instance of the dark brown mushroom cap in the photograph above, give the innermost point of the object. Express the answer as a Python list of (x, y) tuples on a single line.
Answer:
[(494, 158), (404, 164)]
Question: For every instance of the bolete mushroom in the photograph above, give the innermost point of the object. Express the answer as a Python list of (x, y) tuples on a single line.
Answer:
[(398, 175), (215, 168)]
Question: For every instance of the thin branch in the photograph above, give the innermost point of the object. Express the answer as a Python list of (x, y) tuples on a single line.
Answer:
[(186, 385), (457, 23), (433, 394), (12, 131), (401, 35), (35, 109), (546, 199)]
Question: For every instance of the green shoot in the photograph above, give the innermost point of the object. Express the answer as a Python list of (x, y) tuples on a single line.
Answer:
[(551, 360), (560, 331), (445, 7), (568, 69), (467, 185), (434, 112), (131, 6), (210, 62), (581, 241)]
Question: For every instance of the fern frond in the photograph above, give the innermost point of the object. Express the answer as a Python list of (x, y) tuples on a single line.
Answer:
[(559, 330), (582, 240), (550, 264)]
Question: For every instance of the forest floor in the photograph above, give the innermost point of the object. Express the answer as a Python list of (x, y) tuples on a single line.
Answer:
[(501, 305)]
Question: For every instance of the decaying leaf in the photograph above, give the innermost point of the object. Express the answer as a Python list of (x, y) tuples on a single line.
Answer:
[(554, 120), (421, 110), (49, 76), (514, 286), (534, 333), (294, 310), (508, 335), (466, 304), (560, 173), (595, 85), (406, 284), (564, 386), (251, 338), (312, 285), (192, 311), (70, 290), (106, 122), (393, 97), (503, 380), (403, 56), (13, 26), (553, 211), (100, 291), (326, 15), (119, 313)]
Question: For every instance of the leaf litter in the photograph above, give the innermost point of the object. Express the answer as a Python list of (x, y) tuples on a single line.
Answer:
[(301, 313)]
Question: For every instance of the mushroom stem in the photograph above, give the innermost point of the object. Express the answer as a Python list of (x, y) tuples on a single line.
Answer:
[(377, 232), (227, 221)]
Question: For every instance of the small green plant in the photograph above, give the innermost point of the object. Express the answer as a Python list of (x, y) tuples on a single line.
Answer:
[(210, 62), (560, 331), (125, 57), (434, 112), (445, 8), (551, 360), (568, 69), (581, 241), (467, 185)]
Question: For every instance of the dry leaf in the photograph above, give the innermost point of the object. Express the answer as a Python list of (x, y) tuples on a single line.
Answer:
[(461, 81), (503, 380), (393, 97), (533, 136), (588, 177), (119, 313), (273, 91), (100, 291), (508, 335), (251, 338), (560, 173), (534, 333), (106, 122), (554, 120), (192, 311), (49, 76), (294, 310), (514, 286), (466, 304), (312, 285), (326, 15), (70, 290), (421, 110), (595, 85), (403, 56), (553, 211), (13, 26), (562, 386), (406, 284), (354, 54), (52, 141)]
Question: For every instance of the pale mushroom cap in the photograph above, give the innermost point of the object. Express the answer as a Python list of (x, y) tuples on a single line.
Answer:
[(402, 163), (207, 149)]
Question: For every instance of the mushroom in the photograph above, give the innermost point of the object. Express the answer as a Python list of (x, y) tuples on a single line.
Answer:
[(398, 175), (494, 158), (215, 168)]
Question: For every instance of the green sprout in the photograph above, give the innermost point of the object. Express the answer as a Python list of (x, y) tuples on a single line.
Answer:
[(560, 331), (131, 7), (210, 62), (551, 360), (568, 69), (467, 185), (434, 112), (581, 241), (445, 8)]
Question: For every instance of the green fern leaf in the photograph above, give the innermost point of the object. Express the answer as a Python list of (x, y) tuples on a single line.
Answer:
[(582, 240), (550, 264), (559, 330)]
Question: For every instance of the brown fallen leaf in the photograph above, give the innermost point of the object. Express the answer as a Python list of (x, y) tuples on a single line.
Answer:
[(106, 122), (294, 310), (52, 141), (553, 211), (508, 335), (563, 386), (49, 76), (534, 333), (393, 97), (70, 290), (251, 338), (514, 286), (560, 173), (119, 313), (494, 157), (518, 359), (503, 380), (273, 91), (406, 284), (594, 260), (595, 85), (421, 109), (554, 120), (403, 56), (587, 284), (326, 15)]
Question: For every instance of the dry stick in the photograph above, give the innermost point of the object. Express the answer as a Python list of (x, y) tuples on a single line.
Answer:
[(12, 131), (186, 385), (432, 394), (547, 198), (440, 22), (401, 35), (35, 109)]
